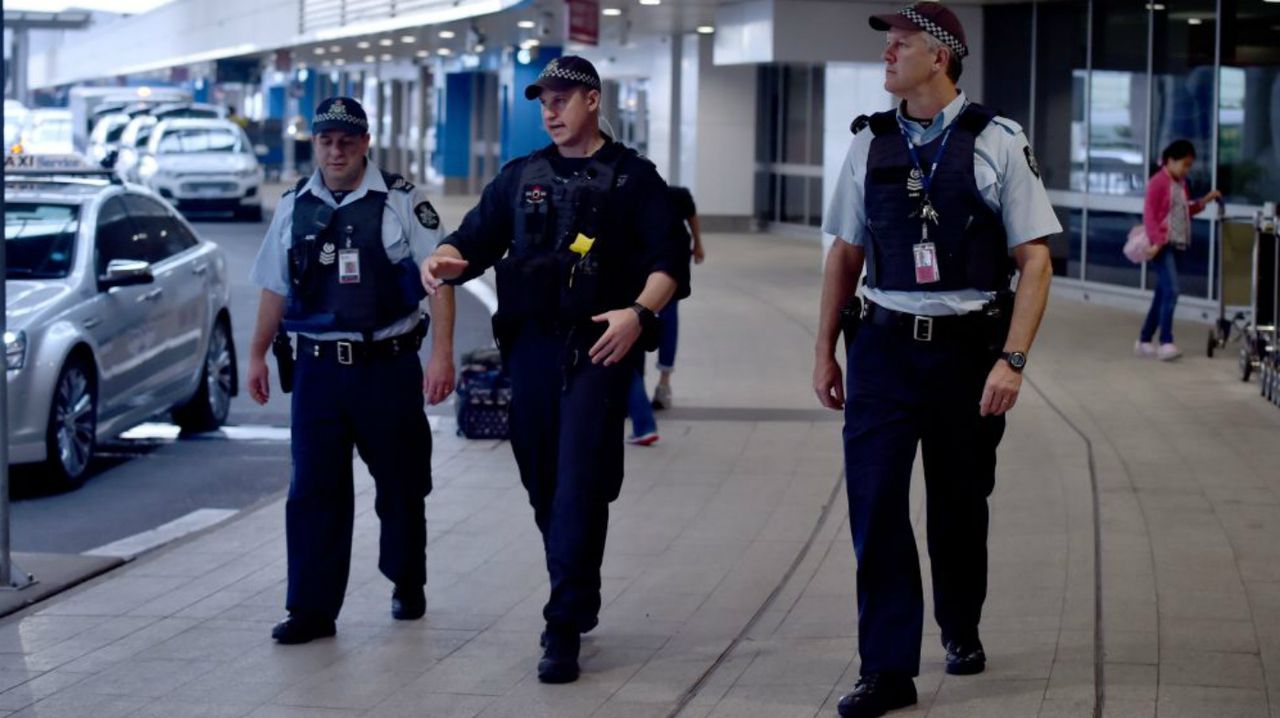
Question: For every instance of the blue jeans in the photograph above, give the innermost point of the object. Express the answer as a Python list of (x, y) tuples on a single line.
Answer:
[(638, 407), (669, 321), (1164, 299)]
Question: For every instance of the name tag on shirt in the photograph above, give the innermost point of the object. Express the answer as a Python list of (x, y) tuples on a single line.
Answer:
[(349, 266)]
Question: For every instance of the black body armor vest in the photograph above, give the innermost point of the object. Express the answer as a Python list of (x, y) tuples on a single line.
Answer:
[(319, 299), (971, 246)]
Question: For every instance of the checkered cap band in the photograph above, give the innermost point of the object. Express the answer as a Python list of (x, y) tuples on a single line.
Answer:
[(936, 30), (555, 71), (341, 117)]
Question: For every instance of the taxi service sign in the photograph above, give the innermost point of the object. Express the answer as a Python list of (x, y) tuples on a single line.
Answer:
[(46, 163)]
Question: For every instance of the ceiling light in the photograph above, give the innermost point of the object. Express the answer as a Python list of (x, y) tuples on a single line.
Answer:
[(705, 29), (386, 42), (530, 43), (319, 51), (370, 58), (527, 24), (447, 34), (650, 2), (386, 57), (422, 53), (444, 52), (1194, 21), (363, 44), (339, 62), (408, 39), (1155, 6), (611, 12), (478, 48), (335, 48)]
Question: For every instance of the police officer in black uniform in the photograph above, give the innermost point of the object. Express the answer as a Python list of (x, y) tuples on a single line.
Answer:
[(581, 236), (932, 200), (339, 267)]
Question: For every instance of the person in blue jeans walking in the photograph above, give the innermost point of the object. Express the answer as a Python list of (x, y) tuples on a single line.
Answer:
[(644, 427), (1166, 217)]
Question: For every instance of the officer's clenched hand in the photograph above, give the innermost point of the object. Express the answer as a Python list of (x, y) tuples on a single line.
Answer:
[(828, 383), (1001, 391), (623, 331), (438, 381), (443, 265), (259, 376)]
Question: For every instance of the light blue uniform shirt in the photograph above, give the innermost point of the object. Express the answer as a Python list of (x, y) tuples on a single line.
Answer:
[(402, 236), (1005, 177)]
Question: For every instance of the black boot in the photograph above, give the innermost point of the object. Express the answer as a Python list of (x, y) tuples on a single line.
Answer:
[(301, 628), (965, 658), (875, 695), (559, 662), (408, 603)]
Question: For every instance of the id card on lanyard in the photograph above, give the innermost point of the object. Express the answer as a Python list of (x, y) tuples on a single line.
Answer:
[(925, 253)]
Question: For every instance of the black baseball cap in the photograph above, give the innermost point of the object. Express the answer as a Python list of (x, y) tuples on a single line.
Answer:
[(930, 17), (340, 113), (564, 73)]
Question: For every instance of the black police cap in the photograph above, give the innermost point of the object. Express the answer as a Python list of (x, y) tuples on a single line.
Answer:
[(564, 73), (343, 114)]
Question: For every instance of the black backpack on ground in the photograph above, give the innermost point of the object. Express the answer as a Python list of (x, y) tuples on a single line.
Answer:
[(484, 395)]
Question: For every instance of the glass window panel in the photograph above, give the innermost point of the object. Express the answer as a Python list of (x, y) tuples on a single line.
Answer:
[(1006, 85), (1072, 221), (767, 114), (1060, 75), (1182, 84), (794, 201), (1118, 98), (1249, 102), (1108, 232), (766, 209), (795, 140), (817, 109), (1193, 264), (815, 202)]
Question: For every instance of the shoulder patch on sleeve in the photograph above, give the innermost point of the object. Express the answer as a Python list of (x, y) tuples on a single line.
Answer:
[(1031, 161), (1007, 124), (426, 215)]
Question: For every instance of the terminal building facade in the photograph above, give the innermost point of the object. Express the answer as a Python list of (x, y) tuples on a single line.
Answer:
[(748, 103)]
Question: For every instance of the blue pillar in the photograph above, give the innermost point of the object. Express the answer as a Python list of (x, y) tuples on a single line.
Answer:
[(522, 131), (453, 128), (275, 102)]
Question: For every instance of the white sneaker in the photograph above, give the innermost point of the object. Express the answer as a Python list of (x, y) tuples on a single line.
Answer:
[(1168, 352), (1144, 349)]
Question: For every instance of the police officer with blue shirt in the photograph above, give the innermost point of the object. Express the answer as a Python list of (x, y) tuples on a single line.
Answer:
[(581, 235), (339, 267), (931, 201)]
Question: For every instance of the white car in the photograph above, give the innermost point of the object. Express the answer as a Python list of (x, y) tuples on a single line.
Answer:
[(202, 164), (116, 311), (105, 137), (133, 143), (47, 132), (15, 114)]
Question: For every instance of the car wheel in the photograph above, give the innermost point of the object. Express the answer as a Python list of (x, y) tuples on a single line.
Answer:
[(73, 425), (250, 214), (208, 407)]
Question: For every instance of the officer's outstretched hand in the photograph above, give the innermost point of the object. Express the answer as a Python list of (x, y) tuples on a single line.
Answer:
[(259, 380), (828, 383), (617, 340), (437, 383), (440, 267), (1001, 391)]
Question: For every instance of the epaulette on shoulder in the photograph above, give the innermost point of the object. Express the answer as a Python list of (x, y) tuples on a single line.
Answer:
[(397, 182), (1006, 124), (883, 123), (302, 182), (859, 124)]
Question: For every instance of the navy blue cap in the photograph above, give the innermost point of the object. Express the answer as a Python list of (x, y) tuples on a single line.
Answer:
[(340, 113), (564, 73)]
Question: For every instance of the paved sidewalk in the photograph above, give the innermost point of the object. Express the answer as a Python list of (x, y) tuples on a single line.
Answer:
[(729, 574)]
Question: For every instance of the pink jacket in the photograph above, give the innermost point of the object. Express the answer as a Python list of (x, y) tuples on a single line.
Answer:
[(1155, 211)]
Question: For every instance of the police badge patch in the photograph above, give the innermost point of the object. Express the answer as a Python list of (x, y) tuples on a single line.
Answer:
[(426, 215), (915, 182), (1031, 161), (535, 195)]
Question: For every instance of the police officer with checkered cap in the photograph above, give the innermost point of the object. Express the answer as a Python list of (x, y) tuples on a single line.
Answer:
[(338, 267), (932, 200), (581, 234)]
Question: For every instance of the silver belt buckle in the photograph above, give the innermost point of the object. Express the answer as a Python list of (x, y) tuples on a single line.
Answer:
[(922, 330), (344, 353)]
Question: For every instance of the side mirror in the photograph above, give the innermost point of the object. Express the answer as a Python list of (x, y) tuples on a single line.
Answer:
[(126, 273)]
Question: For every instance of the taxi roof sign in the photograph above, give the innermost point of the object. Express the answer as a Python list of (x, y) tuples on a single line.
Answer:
[(46, 164)]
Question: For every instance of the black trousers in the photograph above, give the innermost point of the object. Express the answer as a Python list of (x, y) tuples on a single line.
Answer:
[(375, 406), (902, 393), (566, 426)]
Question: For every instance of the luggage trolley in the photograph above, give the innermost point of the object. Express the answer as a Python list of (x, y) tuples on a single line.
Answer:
[(1234, 265), (1258, 351)]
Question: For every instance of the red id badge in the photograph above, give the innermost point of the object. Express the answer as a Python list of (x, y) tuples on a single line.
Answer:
[(926, 256), (349, 266)]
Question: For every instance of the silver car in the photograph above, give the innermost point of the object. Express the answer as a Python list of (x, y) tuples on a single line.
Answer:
[(116, 312)]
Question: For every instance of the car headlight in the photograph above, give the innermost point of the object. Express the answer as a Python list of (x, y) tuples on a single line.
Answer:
[(15, 349), (246, 173), (148, 167)]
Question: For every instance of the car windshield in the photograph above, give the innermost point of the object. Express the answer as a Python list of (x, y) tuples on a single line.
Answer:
[(39, 239), (201, 139), (109, 129), (58, 130), (144, 134)]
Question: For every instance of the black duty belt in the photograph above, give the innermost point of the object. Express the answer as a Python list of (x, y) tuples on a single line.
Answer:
[(946, 328), (350, 352)]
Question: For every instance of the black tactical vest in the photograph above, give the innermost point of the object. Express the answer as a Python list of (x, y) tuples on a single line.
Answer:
[(319, 299), (972, 251)]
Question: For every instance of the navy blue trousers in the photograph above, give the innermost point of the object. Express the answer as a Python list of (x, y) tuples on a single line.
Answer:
[(903, 393), (376, 407), (567, 419)]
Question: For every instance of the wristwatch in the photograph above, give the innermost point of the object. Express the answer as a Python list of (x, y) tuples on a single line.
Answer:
[(1017, 360), (645, 314)]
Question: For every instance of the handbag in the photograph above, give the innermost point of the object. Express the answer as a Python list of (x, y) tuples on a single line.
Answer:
[(1138, 245)]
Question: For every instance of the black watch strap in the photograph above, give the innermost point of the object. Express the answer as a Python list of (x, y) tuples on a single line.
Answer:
[(646, 314), (1016, 360)]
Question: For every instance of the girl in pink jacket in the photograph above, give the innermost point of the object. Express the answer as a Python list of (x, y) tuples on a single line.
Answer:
[(1166, 215)]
